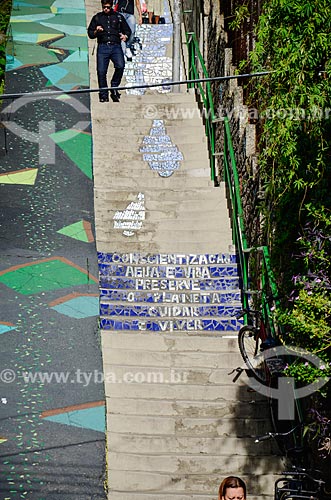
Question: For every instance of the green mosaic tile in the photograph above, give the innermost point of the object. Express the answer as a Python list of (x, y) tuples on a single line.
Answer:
[(43, 276), (77, 148)]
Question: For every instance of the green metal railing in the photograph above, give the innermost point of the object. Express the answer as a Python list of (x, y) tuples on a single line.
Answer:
[(253, 261), (196, 67)]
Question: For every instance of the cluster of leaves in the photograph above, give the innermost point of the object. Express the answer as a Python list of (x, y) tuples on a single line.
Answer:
[(241, 13), (293, 41), (319, 426), (307, 319), (5, 10)]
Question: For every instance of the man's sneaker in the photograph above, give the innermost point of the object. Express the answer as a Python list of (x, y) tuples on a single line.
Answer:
[(104, 99), (114, 95), (128, 54)]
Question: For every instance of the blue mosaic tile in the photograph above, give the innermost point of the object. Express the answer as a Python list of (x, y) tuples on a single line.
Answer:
[(169, 272), (173, 310), (170, 298), (179, 285), (166, 259), (198, 325)]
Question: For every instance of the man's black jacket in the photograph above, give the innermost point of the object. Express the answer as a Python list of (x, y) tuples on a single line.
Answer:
[(113, 24)]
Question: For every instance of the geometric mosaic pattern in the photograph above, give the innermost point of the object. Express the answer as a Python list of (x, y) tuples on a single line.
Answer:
[(6, 327), (87, 416), (81, 230), (44, 275), (77, 147), (77, 306), (25, 176)]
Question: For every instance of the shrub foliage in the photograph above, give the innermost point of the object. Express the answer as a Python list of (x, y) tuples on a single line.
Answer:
[(293, 41)]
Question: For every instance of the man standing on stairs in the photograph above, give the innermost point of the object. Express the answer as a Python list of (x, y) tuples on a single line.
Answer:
[(126, 8), (110, 28)]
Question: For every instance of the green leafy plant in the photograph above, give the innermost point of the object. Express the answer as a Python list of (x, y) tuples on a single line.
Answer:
[(293, 41), (240, 15)]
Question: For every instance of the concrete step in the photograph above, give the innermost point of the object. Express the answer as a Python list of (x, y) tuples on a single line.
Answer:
[(179, 133), (151, 180), (136, 143), (151, 110), (182, 486), (175, 392), (125, 245), (144, 168), (125, 155), (167, 237), (221, 446), (192, 464), (198, 196), (191, 206), (173, 213), (145, 228), (124, 151), (216, 363), (140, 119), (220, 378), (154, 104), (136, 140), (139, 163), (252, 409), (129, 108), (163, 226), (117, 495), (157, 216), (185, 427), (138, 167), (165, 342), (155, 98)]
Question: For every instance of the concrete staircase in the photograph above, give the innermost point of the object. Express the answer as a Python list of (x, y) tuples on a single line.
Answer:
[(177, 423), (178, 418)]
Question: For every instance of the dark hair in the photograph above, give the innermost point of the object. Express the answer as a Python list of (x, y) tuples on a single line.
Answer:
[(104, 2), (231, 482)]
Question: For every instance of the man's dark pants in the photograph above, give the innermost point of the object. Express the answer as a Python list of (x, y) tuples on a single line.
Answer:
[(105, 54)]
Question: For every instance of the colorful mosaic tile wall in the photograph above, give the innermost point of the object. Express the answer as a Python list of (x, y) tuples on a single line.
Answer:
[(49, 299)]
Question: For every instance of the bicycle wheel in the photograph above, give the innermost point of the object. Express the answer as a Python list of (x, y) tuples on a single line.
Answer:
[(249, 346)]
